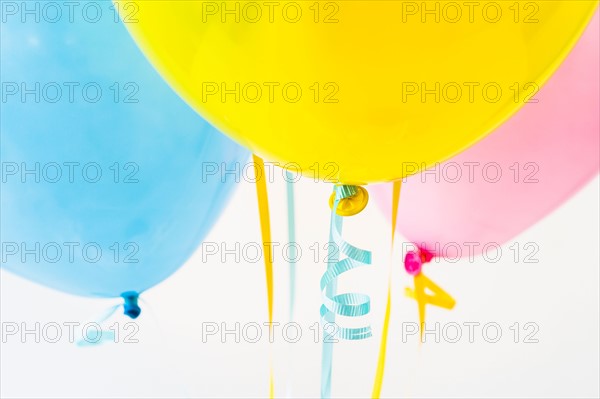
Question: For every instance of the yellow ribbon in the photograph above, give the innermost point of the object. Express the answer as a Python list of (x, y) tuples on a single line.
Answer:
[(265, 228), (440, 298), (386, 321)]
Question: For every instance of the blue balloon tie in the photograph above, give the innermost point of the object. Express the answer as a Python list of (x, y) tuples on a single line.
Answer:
[(348, 304), (130, 307)]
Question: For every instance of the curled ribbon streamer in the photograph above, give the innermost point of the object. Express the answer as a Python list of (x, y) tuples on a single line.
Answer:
[(348, 304)]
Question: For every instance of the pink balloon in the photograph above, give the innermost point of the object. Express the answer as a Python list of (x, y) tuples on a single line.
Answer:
[(529, 166)]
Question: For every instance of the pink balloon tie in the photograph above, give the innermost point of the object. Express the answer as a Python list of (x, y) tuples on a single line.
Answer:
[(414, 260)]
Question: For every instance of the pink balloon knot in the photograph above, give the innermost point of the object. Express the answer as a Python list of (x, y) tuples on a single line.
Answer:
[(413, 261)]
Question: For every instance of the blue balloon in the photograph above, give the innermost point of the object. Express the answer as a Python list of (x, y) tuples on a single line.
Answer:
[(109, 180)]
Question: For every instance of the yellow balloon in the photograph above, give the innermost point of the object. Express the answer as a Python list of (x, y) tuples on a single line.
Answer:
[(356, 91)]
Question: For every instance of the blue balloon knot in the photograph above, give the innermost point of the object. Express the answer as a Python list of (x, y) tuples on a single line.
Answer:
[(130, 306)]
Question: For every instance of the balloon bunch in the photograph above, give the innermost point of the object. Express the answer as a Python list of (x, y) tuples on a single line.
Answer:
[(351, 93), (381, 92)]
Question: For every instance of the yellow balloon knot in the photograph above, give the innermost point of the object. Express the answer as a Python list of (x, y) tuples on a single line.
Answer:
[(353, 202)]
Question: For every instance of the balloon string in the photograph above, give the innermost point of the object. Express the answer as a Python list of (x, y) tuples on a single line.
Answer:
[(386, 321), (292, 240), (104, 335), (348, 304), (292, 262), (327, 355), (265, 227), (130, 309), (439, 298)]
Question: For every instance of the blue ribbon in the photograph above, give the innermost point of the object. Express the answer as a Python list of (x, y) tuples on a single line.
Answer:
[(291, 240), (105, 335), (130, 308), (291, 217), (348, 304)]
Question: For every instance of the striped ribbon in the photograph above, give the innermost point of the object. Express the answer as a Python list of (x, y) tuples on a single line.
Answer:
[(348, 304)]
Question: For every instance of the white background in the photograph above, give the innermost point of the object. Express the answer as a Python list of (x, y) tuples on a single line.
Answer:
[(559, 294)]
